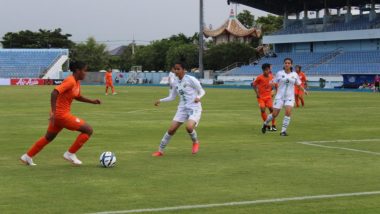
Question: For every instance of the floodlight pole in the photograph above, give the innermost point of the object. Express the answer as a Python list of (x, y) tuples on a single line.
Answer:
[(201, 36)]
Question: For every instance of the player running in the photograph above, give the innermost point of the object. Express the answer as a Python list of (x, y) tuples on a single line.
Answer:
[(286, 79), (299, 93), (190, 91), (109, 82), (61, 117), (263, 88)]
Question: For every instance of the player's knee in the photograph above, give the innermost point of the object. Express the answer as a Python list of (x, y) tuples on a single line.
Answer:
[(50, 136), (189, 128), (172, 131), (87, 129), (262, 110)]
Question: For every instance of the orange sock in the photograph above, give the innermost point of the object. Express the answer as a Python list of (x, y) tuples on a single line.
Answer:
[(81, 139), (37, 147), (273, 122), (264, 116), (106, 89), (113, 89)]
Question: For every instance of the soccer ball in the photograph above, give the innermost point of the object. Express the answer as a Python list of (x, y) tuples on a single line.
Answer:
[(107, 159)]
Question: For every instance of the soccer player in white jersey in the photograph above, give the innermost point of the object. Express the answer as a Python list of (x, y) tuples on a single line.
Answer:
[(190, 91), (286, 80)]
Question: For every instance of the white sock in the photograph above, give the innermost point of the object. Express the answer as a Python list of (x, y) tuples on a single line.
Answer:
[(194, 136), (269, 119), (164, 142), (285, 123)]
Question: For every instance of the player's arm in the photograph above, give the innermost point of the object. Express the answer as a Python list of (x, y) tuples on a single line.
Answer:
[(53, 101), (302, 89), (201, 92), (256, 90), (171, 97), (86, 100), (306, 82)]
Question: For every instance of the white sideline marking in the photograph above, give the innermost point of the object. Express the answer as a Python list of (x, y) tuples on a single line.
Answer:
[(239, 203), (316, 144)]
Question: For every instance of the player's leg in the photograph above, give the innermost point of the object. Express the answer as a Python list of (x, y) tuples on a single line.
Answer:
[(113, 89), (190, 128), (297, 98), (106, 88), (262, 109), (273, 128), (276, 111), (286, 120), (50, 135), (300, 97), (166, 138), (192, 123), (76, 124)]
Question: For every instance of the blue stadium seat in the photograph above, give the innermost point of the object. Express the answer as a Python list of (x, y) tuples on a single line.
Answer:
[(360, 62), (27, 63)]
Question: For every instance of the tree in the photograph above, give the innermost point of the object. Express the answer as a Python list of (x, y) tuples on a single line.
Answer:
[(40, 39), (92, 53), (186, 53), (154, 55), (125, 61), (270, 23), (223, 55), (246, 18)]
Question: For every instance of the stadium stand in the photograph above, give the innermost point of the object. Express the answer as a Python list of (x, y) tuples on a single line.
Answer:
[(336, 23), (28, 63), (326, 64), (336, 40)]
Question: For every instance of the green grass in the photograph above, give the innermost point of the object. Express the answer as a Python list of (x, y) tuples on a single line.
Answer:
[(236, 162)]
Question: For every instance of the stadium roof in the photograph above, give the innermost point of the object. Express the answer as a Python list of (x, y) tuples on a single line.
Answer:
[(295, 6)]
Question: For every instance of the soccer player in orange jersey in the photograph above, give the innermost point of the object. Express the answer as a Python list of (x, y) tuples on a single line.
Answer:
[(299, 93), (263, 88), (109, 82), (61, 117)]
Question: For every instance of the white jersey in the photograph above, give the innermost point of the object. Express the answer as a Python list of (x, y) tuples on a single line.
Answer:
[(187, 89), (171, 79), (286, 82)]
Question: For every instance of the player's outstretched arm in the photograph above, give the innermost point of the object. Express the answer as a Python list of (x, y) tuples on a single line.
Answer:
[(171, 97), (86, 100)]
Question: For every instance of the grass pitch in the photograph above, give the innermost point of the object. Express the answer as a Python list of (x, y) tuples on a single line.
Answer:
[(235, 163)]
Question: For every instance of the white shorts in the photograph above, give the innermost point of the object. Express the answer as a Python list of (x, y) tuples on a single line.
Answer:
[(184, 114), (279, 103)]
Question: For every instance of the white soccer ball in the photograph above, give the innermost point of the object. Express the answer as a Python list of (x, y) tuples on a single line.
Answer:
[(107, 159)]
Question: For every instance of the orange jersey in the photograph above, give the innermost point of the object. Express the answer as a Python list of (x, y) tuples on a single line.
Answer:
[(263, 84), (108, 77), (68, 90), (302, 78)]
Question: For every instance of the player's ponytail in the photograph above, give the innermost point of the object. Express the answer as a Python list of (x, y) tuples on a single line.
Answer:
[(76, 65)]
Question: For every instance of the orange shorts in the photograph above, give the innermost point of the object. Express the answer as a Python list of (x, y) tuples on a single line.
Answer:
[(69, 122), (265, 102), (109, 84)]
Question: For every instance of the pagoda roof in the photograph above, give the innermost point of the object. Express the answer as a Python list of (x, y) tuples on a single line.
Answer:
[(234, 27)]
